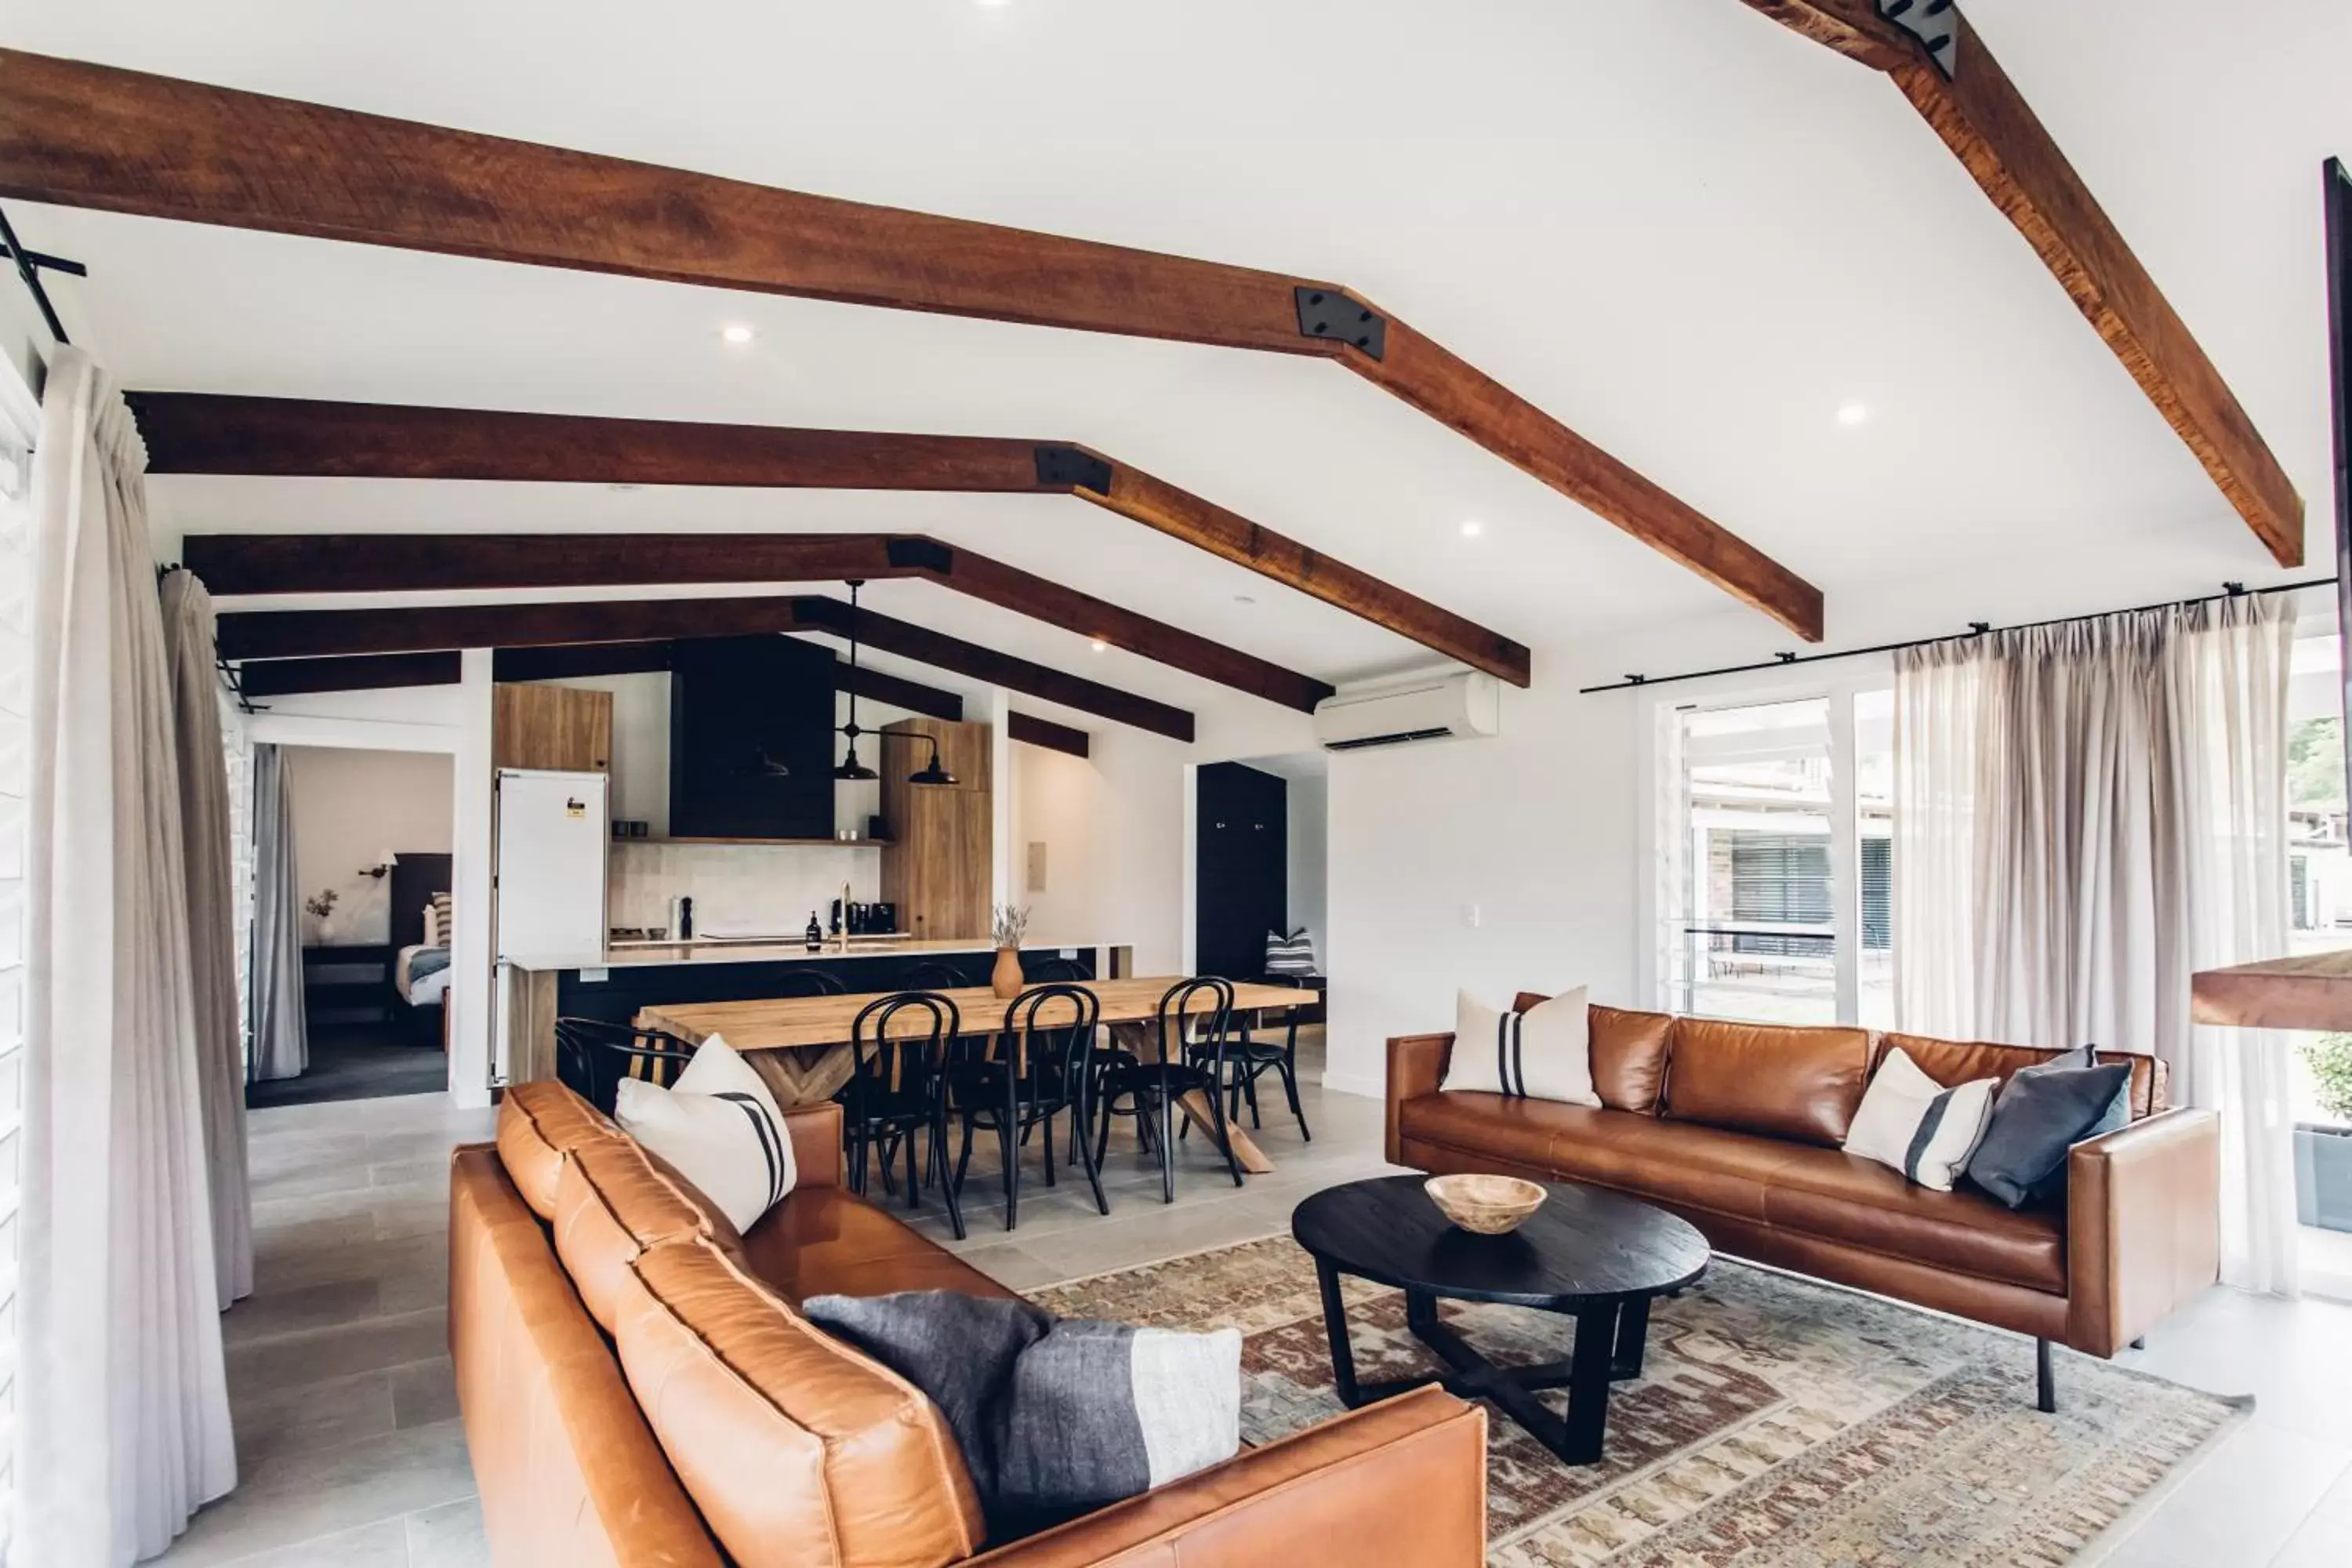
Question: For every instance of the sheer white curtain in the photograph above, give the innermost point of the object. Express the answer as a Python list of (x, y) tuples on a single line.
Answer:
[(122, 1423), (188, 633), (2086, 814), (1934, 871), (2227, 680)]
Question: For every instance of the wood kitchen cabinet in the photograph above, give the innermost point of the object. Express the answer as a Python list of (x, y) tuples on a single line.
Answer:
[(936, 868), (561, 728)]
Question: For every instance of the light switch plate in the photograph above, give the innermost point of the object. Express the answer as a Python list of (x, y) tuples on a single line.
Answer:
[(594, 977)]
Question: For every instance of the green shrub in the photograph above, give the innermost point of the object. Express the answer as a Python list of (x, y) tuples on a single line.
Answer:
[(2330, 1059)]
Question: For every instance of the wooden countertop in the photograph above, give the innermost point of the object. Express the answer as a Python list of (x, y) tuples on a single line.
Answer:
[(640, 955), (2313, 990)]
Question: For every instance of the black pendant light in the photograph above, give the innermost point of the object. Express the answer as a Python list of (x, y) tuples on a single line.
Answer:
[(932, 773), (849, 766)]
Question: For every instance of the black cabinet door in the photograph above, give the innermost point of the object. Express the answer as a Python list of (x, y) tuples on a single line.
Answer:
[(1242, 870), (751, 739)]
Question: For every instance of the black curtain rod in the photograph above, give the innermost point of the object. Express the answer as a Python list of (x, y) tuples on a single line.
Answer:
[(29, 265), (1976, 629)]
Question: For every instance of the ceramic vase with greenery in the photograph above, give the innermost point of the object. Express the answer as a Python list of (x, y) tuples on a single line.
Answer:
[(1007, 925)]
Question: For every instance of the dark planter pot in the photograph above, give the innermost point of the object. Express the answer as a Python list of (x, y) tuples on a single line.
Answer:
[(2323, 1176)]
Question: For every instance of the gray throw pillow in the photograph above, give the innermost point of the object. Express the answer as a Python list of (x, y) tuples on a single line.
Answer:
[(2043, 1111), (1054, 1416)]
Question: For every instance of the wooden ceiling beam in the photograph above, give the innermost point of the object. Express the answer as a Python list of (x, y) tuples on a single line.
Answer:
[(376, 671), (364, 672), (199, 433), (1959, 89), (85, 135), (570, 663), (943, 652), (252, 565), (1036, 731), (312, 634)]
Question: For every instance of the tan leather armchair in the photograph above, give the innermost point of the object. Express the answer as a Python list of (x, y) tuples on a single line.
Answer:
[(716, 1425)]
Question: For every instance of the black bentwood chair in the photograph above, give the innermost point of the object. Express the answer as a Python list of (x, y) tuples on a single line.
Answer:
[(939, 977), (1247, 1060), (1148, 1090), (1036, 1072), (592, 1057), (898, 1089)]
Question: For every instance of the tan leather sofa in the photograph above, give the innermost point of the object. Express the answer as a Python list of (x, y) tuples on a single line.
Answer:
[(638, 1389), (1737, 1128)]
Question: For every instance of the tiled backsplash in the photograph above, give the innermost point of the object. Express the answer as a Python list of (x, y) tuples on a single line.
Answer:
[(739, 888)]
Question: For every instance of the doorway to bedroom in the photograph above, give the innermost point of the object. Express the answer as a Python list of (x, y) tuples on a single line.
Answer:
[(349, 951)]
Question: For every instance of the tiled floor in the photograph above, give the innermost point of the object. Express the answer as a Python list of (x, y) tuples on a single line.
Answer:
[(350, 1453)]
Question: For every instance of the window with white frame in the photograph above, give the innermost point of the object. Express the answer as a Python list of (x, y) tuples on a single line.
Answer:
[(1775, 861)]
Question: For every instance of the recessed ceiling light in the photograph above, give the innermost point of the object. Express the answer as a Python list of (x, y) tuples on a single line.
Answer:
[(1472, 527), (1853, 413), (736, 332), (1098, 645)]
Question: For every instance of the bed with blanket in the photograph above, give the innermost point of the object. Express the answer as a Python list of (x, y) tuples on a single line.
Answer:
[(420, 938)]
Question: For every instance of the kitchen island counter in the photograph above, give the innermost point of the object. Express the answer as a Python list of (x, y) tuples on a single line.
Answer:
[(535, 991)]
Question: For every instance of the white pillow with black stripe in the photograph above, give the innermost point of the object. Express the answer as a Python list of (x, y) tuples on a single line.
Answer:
[(1912, 1122), (719, 1127), (1545, 1053)]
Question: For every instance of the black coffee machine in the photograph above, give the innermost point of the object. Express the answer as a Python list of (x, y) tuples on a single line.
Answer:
[(864, 919)]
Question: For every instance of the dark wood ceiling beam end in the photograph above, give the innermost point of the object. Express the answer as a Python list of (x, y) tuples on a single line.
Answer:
[(1152, 501), (1443, 385), (1033, 730), (365, 672)]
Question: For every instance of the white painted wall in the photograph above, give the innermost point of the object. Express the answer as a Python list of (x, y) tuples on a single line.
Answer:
[(470, 959), (1307, 889), (350, 806), (1529, 832), (1058, 809)]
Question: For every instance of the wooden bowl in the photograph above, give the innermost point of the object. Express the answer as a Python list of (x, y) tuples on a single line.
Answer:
[(1490, 1205)]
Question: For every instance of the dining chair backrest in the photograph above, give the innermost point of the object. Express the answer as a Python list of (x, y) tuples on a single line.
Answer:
[(883, 1052), (1206, 1000), (1064, 1039), (936, 977), (801, 981), (1058, 971), (592, 1057)]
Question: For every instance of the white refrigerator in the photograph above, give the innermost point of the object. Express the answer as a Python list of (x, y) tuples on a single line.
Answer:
[(552, 832)]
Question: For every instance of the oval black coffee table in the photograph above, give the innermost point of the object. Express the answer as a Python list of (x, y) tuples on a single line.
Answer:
[(1589, 1254)]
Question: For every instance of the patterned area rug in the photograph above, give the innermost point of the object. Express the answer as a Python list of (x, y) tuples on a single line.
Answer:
[(1778, 1423)]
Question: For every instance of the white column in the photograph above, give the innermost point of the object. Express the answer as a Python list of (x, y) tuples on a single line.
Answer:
[(471, 946), (1004, 881)]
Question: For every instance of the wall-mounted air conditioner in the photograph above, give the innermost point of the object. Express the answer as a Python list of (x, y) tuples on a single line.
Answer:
[(1439, 706)]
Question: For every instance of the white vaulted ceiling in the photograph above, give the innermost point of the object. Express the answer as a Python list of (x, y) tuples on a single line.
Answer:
[(1685, 231)]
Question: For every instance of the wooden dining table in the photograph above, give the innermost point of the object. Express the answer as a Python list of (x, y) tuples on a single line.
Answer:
[(800, 1045)]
